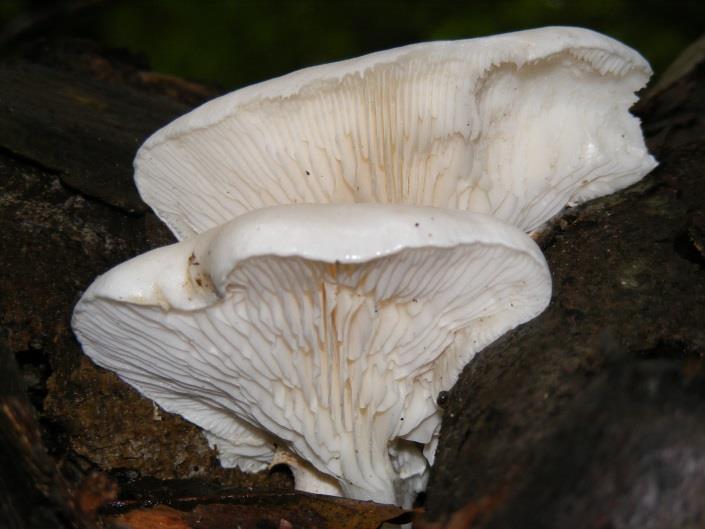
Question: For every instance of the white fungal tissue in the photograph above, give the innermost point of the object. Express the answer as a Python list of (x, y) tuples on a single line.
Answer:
[(516, 126), (352, 234), (326, 329)]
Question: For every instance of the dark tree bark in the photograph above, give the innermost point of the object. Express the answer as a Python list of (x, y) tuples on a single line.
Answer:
[(591, 416), (32, 493), (71, 119)]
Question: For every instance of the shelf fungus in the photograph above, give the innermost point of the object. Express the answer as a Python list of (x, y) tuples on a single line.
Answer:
[(516, 126), (317, 335), (351, 235)]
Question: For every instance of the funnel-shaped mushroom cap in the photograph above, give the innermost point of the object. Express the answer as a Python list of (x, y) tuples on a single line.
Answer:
[(516, 126), (330, 329)]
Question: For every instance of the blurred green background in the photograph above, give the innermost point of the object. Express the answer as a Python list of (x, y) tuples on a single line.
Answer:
[(233, 43)]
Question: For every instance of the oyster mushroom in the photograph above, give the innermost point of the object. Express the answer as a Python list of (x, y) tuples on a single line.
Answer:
[(515, 125), (326, 330)]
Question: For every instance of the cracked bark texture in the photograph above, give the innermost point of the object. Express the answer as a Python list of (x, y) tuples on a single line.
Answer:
[(590, 416), (71, 118)]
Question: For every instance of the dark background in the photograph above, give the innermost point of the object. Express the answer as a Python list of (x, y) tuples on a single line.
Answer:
[(230, 44)]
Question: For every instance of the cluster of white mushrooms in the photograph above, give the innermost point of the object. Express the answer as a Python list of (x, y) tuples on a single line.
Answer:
[(351, 235)]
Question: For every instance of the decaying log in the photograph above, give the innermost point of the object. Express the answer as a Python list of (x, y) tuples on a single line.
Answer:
[(591, 416), (71, 114), (32, 493)]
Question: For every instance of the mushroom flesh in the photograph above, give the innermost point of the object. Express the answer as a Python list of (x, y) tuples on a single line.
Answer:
[(516, 126), (322, 332)]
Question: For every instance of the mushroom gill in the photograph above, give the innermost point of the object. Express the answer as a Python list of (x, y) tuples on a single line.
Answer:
[(515, 125), (329, 330)]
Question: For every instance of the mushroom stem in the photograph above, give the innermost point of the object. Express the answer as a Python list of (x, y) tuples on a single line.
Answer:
[(306, 477)]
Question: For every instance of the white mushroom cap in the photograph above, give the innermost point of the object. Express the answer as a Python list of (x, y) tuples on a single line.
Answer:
[(329, 329), (515, 125)]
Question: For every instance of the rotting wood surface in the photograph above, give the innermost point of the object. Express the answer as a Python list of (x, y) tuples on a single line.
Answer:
[(590, 416)]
